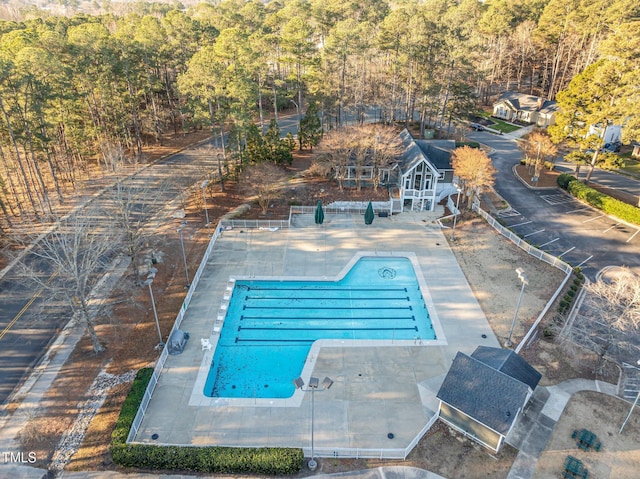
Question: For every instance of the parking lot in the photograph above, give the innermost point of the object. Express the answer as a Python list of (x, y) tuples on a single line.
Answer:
[(564, 215)]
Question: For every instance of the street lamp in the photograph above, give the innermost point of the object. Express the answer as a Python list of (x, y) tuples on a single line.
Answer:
[(313, 385), (204, 199), (220, 157), (523, 279), (149, 280), (456, 184), (184, 256)]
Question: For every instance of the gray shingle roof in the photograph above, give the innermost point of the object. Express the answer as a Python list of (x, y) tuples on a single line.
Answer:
[(438, 152), (524, 102), (416, 151), (487, 395), (508, 362)]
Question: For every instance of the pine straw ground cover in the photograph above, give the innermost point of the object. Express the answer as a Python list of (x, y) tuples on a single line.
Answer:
[(129, 332)]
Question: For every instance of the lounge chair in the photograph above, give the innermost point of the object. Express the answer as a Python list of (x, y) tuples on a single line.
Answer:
[(206, 344)]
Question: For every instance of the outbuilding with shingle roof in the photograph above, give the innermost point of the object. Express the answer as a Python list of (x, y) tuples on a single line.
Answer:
[(483, 394)]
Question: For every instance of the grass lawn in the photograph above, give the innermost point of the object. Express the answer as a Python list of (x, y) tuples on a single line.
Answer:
[(499, 124), (631, 167)]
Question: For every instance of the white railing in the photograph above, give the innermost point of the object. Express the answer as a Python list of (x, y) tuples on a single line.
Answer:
[(176, 325), (355, 208), (522, 244), (265, 224), (419, 193), (536, 253), (372, 453)]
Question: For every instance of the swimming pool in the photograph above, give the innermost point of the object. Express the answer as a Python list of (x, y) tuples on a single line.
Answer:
[(270, 326)]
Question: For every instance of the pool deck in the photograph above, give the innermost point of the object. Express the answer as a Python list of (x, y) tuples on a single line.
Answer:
[(376, 390)]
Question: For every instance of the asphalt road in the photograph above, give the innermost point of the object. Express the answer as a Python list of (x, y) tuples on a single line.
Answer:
[(557, 223), (31, 318)]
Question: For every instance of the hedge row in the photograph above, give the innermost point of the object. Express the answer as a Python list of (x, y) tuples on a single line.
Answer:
[(222, 460), (599, 200)]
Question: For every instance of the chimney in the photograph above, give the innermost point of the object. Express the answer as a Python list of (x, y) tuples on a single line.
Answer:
[(540, 103)]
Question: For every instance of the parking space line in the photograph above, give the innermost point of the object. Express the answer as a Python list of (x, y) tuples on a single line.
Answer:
[(568, 251), (633, 235), (548, 242), (578, 210), (534, 233), (592, 219), (611, 227), (520, 224), (584, 261)]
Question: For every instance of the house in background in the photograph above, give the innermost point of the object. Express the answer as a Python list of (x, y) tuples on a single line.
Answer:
[(520, 107), (483, 394), (609, 133)]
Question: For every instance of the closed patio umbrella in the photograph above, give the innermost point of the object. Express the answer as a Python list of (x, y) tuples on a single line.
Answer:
[(319, 216), (368, 214)]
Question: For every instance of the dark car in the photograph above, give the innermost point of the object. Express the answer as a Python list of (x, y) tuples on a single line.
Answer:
[(613, 147), (477, 126)]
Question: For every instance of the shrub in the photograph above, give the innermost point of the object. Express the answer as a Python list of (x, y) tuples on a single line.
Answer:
[(564, 179), (220, 460), (571, 293)]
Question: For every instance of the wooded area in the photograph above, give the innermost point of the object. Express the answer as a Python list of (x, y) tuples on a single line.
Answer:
[(79, 95)]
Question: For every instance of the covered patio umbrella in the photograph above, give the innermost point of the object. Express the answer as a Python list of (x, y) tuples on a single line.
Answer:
[(368, 214), (319, 215)]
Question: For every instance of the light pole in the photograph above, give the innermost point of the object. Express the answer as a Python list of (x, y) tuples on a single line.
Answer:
[(204, 200), (184, 256), (149, 280), (523, 279), (456, 184), (313, 385), (220, 157)]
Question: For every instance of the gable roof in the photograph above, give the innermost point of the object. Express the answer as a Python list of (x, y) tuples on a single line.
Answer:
[(524, 102), (508, 362), (483, 393), (438, 152), (415, 152)]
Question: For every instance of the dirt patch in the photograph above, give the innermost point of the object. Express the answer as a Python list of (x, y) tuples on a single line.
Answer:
[(603, 415), (547, 178)]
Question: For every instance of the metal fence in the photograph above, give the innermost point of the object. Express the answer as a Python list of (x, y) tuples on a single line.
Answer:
[(536, 253), (354, 208), (176, 325), (522, 244), (381, 453), (258, 224)]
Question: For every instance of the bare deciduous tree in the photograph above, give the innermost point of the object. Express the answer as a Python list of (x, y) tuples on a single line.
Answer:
[(372, 147), (474, 170), (610, 313), (537, 148), (130, 207), (77, 249), (264, 181), (337, 148)]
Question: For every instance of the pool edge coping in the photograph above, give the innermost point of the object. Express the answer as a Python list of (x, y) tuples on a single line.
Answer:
[(198, 398)]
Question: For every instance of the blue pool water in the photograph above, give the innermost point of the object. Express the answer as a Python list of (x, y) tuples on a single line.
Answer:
[(271, 325)]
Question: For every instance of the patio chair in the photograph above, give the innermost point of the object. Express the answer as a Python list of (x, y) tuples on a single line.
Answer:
[(575, 434), (585, 474), (206, 344), (598, 446)]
